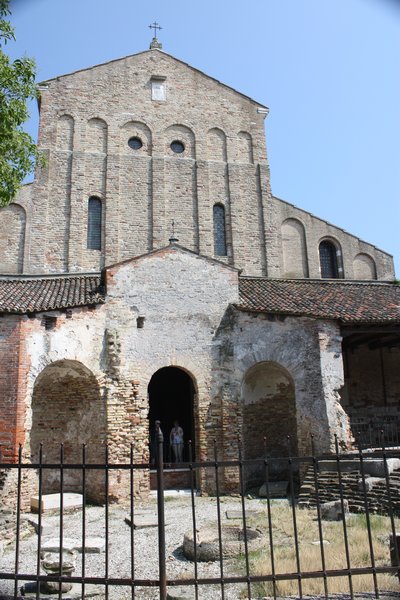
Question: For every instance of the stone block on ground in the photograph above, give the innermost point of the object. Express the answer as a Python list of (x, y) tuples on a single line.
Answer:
[(93, 545), (332, 511), (53, 545), (376, 466), (46, 527), (277, 489), (142, 521), (52, 502), (369, 482), (75, 593)]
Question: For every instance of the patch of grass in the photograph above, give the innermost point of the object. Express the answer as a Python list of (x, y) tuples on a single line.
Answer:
[(311, 555)]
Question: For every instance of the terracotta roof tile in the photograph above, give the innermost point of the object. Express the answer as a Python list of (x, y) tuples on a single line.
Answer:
[(22, 295), (346, 301)]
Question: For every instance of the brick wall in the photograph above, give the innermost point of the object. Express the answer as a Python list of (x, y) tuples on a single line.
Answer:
[(87, 119)]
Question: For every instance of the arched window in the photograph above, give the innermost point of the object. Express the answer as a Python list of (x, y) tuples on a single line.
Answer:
[(94, 224), (328, 260), (219, 230)]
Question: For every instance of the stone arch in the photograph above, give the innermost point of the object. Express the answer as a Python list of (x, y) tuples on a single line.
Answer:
[(12, 238), (65, 132), (136, 129), (269, 411), (364, 267), (244, 147), (216, 145), (183, 134), (68, 409), (294, 250), (96, 135)]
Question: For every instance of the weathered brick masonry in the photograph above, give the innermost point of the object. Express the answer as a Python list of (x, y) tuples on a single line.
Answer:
[(241, 318)]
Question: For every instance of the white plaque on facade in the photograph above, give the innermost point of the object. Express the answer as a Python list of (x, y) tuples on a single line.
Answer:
[(157, 90)]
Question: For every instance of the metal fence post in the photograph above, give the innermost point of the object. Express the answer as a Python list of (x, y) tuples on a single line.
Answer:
[(161, 519)]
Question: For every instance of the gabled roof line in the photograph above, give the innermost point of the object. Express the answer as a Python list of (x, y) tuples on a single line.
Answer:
[(170, 247), (108, 62)]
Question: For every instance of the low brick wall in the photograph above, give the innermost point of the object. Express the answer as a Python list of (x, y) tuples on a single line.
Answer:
[(353, 490)]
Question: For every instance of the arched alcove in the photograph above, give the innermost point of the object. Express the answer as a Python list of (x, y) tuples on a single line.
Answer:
[(96, 136), (12, 239), (216, 145), (180, 134), (364, 267), (244, 147), (269, 411), (67, 409), (65, 132), (171, 398), (294, 249), (136, 138)]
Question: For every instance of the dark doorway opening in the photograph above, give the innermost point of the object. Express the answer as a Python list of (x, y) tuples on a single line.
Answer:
[(171, 395)]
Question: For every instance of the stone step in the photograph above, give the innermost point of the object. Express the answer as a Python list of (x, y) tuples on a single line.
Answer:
[(93, 545), (52, 502)]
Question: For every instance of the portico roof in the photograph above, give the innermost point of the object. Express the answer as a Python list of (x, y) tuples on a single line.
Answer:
[(344, 301), (30, 294)]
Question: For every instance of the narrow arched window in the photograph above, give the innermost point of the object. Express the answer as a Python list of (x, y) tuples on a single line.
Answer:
[(328, 260), (94, 224), (219, 230)]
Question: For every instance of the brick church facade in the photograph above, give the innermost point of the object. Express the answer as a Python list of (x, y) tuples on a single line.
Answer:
[(148, 272)]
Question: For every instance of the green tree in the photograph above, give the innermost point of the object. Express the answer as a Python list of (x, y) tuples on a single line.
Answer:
[(18, 153)]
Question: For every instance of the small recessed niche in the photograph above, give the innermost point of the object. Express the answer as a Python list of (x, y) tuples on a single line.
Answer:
[(49, 322), (140, 322), (177, 146), (135, 143)]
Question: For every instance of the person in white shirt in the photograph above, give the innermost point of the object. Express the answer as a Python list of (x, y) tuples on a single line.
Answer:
[(176, 441)]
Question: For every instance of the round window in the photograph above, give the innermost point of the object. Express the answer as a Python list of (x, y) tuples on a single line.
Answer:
[(135, 143), (177, 147)]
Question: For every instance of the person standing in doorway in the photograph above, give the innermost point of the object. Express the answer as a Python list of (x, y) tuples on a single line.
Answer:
[(156, 429), (176, 441)]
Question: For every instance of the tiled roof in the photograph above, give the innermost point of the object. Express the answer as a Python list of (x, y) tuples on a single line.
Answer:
[(36, 294), (345, 301)]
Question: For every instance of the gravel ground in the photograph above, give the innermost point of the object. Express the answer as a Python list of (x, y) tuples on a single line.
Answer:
[(178, 519)]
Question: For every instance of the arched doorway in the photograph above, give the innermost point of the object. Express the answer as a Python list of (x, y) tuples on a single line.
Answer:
[(171, 397), (269, 411), (67, 409)]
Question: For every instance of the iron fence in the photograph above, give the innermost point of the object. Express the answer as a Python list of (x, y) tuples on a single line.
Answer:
[(261, 547), (374, 432)]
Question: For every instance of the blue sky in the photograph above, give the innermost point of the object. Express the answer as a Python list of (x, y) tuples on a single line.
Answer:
[(327, 69)]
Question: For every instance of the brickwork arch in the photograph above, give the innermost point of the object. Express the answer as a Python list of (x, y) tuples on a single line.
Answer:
[(96, 135), (172, 396), (12, 239), (244, 147), (294, 250), (180, 133), (68, 409), (65, 132), (216, 145), (139, 130), (364, 267), (330, 258), (269, 411)]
